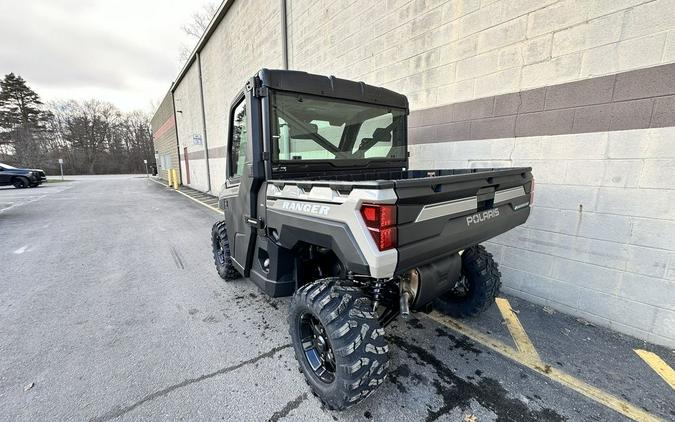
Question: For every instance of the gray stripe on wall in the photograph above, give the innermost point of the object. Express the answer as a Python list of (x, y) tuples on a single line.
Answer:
[(196, 155), (217, 152), (637, 99)]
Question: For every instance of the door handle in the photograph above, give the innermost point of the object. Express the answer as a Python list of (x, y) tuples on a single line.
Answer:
[(254, 222)]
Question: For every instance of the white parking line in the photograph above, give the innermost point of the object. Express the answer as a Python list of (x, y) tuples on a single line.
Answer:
[(21, 250), (18, 204), (14, 200)]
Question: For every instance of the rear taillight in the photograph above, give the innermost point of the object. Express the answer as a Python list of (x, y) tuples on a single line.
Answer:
[(532, 193), (381, 223)]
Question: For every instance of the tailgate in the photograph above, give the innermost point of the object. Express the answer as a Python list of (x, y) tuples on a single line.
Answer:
[(440, 215)]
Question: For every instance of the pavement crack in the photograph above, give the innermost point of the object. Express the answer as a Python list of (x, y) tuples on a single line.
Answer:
[(119, 411), (290, 406)]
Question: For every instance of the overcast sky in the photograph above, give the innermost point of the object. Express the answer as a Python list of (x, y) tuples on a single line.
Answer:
[(122, 51)]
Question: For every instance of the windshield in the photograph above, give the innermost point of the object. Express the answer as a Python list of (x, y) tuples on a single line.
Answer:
[(6, 166), (306, 127)]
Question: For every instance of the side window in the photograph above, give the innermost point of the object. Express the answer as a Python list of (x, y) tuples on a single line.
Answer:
[(238, 142)]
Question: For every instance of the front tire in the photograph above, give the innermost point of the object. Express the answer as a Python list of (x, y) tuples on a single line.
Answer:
[(20, 182), (338, 342), (221, 252), (480, 284)]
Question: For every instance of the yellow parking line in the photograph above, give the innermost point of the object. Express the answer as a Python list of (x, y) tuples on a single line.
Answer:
[(520, 337), (581, 387), (194, 199), (659, 366), (600, 396), (484, 339), (200, 202)]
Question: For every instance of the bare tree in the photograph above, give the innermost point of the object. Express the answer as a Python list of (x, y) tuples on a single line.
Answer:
[(199, 21), (92, 136), (89, 130)]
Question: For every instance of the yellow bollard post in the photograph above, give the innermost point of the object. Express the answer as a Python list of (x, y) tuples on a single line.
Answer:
[(169, 177), (175, 179)]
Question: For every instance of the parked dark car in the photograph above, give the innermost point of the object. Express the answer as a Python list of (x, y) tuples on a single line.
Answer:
[(21, 178)]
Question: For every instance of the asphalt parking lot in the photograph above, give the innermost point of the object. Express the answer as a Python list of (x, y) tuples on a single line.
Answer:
[(110, 309)]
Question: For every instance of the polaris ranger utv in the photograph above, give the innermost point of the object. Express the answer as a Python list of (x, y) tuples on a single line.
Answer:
[(319, 204)]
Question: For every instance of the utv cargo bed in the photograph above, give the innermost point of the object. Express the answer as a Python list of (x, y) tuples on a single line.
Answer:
[(440, 212)]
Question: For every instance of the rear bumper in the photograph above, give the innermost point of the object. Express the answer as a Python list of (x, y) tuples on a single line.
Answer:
[(459, 233)]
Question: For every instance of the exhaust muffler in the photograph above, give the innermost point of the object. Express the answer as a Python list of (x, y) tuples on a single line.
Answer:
[(422, 285)]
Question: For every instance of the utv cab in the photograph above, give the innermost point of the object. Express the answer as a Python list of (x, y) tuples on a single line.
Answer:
[(320, 204)]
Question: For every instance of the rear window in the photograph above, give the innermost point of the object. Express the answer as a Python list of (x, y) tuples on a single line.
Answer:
[(307, 127)]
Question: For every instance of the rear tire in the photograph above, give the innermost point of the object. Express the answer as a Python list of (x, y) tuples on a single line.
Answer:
[(20, 182), (350, 354), (483, 280), (221, 252)]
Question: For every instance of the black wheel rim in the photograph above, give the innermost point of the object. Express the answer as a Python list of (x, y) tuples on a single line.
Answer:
[(317, 348)]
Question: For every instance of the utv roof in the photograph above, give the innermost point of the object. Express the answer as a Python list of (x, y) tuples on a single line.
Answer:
[(330, 86)]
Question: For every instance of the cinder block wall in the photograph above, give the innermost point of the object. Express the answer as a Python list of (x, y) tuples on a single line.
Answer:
[(246, 40), (600, 240), (581, 90), (552, 84), (163, 125), (440, 52), (190, 124)]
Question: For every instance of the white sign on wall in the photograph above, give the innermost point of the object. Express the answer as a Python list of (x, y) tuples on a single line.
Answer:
[(197, 139)]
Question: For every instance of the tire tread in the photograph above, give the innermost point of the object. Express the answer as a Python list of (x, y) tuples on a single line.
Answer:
[(359, 345), (226, 271), (479, 266)]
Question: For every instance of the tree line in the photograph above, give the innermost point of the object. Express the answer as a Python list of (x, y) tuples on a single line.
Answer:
[(92, 137)]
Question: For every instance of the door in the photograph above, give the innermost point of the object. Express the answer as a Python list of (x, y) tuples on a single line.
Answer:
[(187, 165), (244, 178), (236, 195)]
